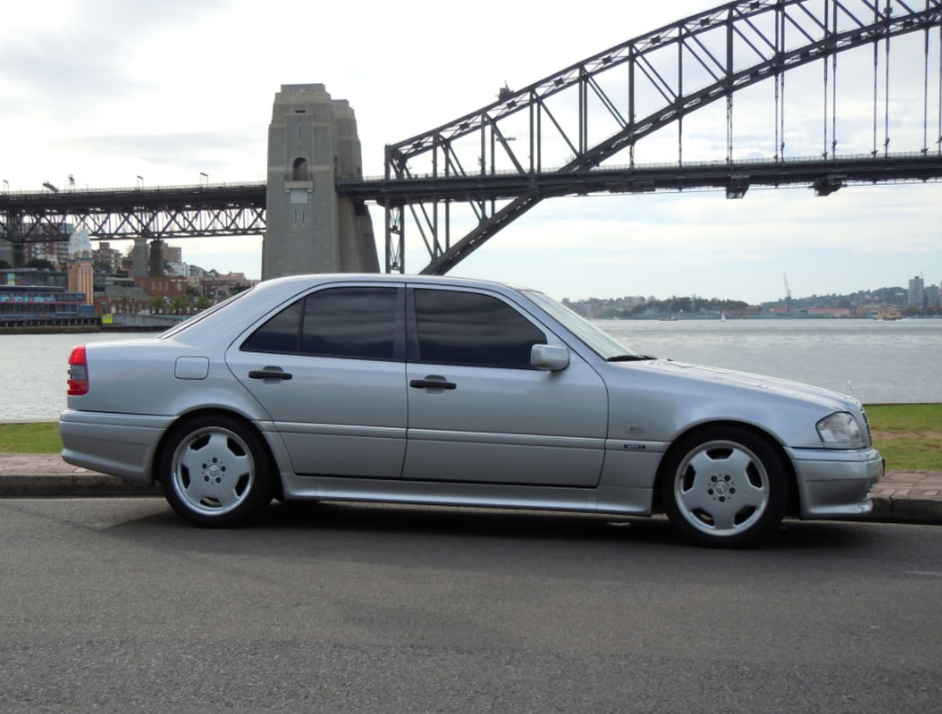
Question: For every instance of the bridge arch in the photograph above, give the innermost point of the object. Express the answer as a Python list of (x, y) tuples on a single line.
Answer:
[(734, 46)]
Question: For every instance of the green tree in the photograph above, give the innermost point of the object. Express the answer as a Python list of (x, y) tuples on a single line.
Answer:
[(4, 265), (41, 264), (158, 304)]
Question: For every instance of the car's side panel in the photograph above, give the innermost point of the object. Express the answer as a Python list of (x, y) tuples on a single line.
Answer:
[(508, 425), (632, 464), (118, 444), (342, 417)]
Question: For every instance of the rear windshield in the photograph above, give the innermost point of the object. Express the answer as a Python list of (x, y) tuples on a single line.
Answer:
[(189, 322)]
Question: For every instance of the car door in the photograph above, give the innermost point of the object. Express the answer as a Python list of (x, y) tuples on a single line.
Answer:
[(329, 370), (479, 413)]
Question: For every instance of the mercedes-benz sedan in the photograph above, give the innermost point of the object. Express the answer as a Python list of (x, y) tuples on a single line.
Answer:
[(423, 390)]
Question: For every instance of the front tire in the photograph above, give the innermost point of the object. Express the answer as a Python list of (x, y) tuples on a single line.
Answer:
[(215, 471), (724, 486)]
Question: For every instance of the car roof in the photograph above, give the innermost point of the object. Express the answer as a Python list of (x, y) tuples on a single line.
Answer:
[(319, 278)]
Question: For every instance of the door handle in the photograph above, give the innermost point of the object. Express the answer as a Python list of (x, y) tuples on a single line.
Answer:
[(432, 382), (269, 373)]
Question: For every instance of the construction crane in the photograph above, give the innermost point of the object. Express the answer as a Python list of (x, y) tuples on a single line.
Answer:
[(788, 295)]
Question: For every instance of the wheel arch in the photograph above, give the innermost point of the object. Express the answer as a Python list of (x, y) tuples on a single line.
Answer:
[(793, 502), (187, 417)]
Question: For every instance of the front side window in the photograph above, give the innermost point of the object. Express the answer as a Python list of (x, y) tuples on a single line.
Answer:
[(350, 322), (353, 322), (465, 328)]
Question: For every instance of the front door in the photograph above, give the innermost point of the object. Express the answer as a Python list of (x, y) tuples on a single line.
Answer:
[(479, 413)]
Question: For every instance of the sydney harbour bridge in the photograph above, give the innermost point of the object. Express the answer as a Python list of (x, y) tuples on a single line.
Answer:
[(744, 74)]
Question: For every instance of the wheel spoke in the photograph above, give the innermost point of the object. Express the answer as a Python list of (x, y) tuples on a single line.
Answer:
[(749, 495), (696, 497), (702, 464), (218, 447), (723, 517), (226, 496), (193, 462), (737, 463)]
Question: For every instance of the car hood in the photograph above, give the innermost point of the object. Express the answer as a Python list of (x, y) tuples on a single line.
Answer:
[(768, 385)]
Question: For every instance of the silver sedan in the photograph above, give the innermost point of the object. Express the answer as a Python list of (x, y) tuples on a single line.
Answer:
[(408, 389)]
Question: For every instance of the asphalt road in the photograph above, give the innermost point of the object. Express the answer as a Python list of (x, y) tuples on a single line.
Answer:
[(117, 606)]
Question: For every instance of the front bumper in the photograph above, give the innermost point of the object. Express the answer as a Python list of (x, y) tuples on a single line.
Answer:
[(115, 444), (836, 484)]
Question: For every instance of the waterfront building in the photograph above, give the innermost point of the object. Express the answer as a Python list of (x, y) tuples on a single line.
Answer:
[(176, 268), (216, 286), (42, 304), (81, 268), (165, 287), (105, 255), (916, 292), (173, 254), (932, 295)]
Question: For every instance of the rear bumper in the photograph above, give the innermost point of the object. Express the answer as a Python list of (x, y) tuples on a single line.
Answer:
[(115, 444), (836, 484)]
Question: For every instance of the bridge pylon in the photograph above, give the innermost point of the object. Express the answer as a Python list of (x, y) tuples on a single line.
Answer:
[(312, 143)]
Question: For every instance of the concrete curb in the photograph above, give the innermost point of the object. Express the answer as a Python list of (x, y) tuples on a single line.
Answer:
[(898, 509), (90, 485)]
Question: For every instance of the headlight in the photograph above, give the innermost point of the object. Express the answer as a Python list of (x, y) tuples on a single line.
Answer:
[(840, 431)]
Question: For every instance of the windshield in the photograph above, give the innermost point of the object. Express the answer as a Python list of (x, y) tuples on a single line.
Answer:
[(603, 344), (190, 321)]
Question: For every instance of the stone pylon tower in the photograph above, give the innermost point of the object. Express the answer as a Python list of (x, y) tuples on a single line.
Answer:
[(312, 141)]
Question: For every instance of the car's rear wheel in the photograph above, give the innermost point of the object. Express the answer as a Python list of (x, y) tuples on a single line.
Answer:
[(215, 471), (724, 486)]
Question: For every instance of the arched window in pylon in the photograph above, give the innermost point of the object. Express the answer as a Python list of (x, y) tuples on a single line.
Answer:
[(299, 170)]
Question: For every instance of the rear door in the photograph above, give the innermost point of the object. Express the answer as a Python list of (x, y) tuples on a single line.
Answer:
[(329, 370), (479, 413)]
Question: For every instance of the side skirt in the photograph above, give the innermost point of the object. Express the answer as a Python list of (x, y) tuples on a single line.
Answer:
[(604, 499)]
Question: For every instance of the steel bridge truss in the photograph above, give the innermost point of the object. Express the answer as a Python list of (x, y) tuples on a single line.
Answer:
[(602, 107), (175, 212)]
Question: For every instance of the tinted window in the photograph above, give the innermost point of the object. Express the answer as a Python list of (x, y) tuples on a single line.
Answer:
[(279, 334), (472, 329), (350, 322)]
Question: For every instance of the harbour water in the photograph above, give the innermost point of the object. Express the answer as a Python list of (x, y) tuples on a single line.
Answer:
[(883, 362)]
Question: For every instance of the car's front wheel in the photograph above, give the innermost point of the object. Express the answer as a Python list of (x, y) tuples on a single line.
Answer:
[(724, 486), (215, 471)]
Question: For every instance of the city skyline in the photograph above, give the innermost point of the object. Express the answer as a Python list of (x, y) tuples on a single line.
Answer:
[(122, 103)]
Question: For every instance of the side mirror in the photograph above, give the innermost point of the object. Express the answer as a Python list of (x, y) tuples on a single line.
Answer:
[(551, 358)]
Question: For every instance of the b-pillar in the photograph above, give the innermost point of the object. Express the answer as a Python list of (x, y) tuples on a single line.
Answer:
[(312, 141)]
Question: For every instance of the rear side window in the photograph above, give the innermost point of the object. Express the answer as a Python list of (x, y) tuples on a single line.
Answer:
[(472, 329), (354, 322)]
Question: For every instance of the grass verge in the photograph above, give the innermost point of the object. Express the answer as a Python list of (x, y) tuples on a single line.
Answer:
[(908, 435), (30, 438)]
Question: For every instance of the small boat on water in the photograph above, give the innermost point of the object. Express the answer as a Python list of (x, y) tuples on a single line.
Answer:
[(888, 314)]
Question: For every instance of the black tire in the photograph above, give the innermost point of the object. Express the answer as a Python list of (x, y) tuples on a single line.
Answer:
[(724, 486), (215, 471)]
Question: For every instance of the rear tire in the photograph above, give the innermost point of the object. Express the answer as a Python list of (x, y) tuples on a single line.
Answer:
[(215, 471), (724, 486)]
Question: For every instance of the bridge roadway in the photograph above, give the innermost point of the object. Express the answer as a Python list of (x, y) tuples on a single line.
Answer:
[(238, 209)]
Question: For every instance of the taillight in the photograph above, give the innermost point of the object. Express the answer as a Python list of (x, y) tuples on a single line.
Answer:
[(78, 372)]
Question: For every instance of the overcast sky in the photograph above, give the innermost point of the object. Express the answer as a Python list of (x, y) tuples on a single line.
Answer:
[(108, 90)]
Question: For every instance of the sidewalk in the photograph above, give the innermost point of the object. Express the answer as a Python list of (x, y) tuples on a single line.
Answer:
[(901, 497)]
